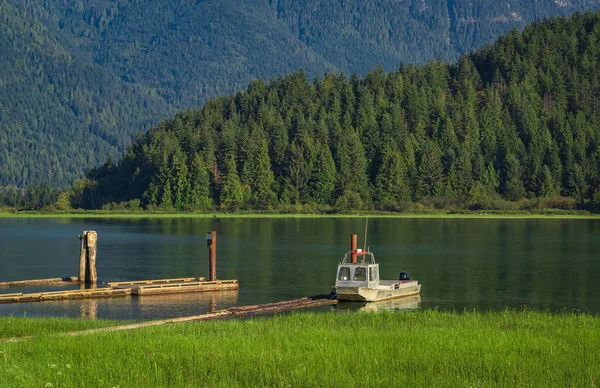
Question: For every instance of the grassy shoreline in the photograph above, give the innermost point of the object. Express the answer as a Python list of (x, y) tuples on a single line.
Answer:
[(428, 348)]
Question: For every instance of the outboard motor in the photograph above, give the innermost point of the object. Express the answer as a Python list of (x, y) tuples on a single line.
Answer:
[(404, 276)]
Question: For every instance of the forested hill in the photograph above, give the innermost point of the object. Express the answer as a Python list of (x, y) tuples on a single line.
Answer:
[(519, 118), (60, 115), (84, 76)]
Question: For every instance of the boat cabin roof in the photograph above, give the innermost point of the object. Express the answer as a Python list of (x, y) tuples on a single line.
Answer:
[(366, 257)]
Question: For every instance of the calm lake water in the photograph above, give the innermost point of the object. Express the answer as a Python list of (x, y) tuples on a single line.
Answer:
[(487, 264)]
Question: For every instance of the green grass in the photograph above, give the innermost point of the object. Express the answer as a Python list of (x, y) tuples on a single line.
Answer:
[(429, 348)]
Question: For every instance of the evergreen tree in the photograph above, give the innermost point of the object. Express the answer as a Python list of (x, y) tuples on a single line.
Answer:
[(257, 172), (431, 179), (391, 189), (232, 196), (514, 187), (199, 196), (323, 177), (166, 200)]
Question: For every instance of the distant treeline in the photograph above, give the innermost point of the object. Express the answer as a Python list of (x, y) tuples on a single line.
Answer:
[(36, 196), (514, 121)]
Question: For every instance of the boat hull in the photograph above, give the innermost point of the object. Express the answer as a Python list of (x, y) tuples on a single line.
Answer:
[(365, 294)]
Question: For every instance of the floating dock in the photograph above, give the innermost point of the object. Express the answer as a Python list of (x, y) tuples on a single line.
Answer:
[(179, 287), (121, 289), (60, 295), (88, 276), (41, 282)]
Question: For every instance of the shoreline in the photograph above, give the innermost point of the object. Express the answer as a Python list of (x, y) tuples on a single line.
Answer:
[(430, 215)]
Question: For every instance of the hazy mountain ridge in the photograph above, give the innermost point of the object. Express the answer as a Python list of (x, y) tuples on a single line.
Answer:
[(61, 115)]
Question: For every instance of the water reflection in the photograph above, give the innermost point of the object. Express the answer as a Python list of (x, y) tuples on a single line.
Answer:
[(409, 303), (210, 301), (89, 308)]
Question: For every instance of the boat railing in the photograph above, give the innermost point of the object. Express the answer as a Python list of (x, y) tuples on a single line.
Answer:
[(364, 256)]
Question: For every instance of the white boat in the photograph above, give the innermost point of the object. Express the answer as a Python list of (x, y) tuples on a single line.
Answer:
[(359, 281)]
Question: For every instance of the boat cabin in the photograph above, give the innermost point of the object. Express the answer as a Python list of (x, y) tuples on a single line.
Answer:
[(363, 274)]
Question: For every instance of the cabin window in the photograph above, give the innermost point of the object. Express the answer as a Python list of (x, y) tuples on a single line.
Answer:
[(344, 273), (360, 273), (370, 274)]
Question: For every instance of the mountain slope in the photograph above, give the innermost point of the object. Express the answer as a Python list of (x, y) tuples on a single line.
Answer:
[(61, 115)]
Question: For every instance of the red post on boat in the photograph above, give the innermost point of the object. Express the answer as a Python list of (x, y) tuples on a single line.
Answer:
[(211, 242), (353, 245)]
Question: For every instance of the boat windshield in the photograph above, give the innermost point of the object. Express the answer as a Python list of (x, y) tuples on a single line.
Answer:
[(344, 273), (360, 274)]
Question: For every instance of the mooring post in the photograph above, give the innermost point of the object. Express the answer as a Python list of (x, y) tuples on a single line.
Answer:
[(353, 244), (82, 256), (92, 277), (211, 242)]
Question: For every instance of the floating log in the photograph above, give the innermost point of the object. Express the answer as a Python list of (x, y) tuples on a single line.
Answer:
[(41, 282), (234, 312)]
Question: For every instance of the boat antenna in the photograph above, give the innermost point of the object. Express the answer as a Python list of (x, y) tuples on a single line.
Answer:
[(366, 226)]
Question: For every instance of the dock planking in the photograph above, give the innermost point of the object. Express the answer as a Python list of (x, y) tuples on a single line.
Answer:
[(61, 295), (121, 289), (180, 287), (154, 282)]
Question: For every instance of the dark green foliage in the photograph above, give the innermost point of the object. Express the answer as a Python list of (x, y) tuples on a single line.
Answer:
[(499, 124)]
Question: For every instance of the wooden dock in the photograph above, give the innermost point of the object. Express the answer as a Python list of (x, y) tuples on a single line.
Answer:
[(41, 282), (88, 275), (176, 288), (119, 289), (157, 281), (60, 295)]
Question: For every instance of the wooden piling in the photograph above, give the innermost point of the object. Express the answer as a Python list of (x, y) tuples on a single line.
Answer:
[(353, 246), (82, 255), (212, 256), (92, 237)]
